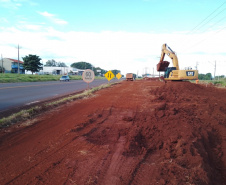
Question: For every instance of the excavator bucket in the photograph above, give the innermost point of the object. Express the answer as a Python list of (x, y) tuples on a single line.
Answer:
[(161, 66)]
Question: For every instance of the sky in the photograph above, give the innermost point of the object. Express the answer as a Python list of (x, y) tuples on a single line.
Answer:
[(122, 34)]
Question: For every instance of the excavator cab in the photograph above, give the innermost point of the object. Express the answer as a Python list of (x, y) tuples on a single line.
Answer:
[(168, 71)]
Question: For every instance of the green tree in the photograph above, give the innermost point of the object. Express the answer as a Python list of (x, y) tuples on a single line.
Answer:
[(207, 76), (220, 77), (32, 63), (115, 71), (82, 65), (51, 63), (61, 64), (100, 71)]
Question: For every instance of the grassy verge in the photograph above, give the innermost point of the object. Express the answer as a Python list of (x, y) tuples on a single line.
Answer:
[(219, 83), (25, 115), (12, 78)]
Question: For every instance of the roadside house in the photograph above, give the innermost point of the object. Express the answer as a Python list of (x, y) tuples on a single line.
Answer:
[(11, 65)]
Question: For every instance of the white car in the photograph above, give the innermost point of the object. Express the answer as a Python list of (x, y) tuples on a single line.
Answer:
[(65, 78)]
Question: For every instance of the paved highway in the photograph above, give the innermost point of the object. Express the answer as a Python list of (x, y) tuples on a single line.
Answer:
[(14, 95)]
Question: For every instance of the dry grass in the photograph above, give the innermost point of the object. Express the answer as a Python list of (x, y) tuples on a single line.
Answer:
[(19, 116), (28, 123)]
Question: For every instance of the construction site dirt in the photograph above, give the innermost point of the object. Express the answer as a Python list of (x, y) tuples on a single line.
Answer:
[(140, 132)]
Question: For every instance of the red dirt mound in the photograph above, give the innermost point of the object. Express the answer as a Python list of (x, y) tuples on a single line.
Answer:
[(140, 132)]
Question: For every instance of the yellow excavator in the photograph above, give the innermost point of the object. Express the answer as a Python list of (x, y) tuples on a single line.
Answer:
[(174, 73)]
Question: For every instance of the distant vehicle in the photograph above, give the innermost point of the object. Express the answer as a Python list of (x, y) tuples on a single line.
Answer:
[(129, 76), (65, 78)]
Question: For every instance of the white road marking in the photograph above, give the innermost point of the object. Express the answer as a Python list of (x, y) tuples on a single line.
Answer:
[(32, 102)]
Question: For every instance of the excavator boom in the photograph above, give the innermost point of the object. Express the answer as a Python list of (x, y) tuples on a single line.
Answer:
[(163, 64)]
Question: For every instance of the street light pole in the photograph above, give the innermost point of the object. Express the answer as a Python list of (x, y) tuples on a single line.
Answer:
[(196, 67), (18, 60), (42, 67), (2, 64), (215, 65)]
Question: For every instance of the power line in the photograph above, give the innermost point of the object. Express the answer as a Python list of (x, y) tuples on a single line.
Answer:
[(218, 31), (200, 25), (213, 24), (211, 35), (212, 19), (206, 18)]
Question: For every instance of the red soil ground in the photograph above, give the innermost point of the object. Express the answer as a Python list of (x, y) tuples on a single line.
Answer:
[(140, 132)]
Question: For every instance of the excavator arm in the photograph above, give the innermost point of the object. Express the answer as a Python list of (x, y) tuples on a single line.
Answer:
[(163, 64)]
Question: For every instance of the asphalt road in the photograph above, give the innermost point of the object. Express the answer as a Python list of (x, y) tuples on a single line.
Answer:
[(14, 95)]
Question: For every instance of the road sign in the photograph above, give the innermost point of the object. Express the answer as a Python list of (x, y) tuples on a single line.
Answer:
[(88, 76), (119, 76), (109, 75)]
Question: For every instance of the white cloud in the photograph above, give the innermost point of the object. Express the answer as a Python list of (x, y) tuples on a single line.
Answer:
[(129, 52), (46, 14), (60, 21), (32, 27), (30, 2), (28, 26), (3, 20), (15, 4), (9, 4), (53, 18)]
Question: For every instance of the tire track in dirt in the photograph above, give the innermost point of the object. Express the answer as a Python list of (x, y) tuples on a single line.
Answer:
[(78, 128)]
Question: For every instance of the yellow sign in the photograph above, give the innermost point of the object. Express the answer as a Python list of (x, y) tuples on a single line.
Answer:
[(119, 76), (109, 75)]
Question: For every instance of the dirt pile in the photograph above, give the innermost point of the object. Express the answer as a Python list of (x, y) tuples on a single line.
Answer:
[(154, 78), (140, 132), (193, 117)]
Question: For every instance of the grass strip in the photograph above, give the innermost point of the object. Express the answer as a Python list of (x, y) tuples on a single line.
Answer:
[(13, 78), (24, 115), (218, 83)]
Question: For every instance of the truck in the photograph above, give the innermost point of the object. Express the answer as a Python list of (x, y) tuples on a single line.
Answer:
[(129, 76), (174, 73)]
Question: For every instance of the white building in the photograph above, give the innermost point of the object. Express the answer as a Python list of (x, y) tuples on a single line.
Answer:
[(60, 71), (11, 66)]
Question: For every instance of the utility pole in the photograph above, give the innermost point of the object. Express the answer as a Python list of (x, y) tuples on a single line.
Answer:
[(18, 48), (196, 67), (146, 71), (18, 60), (42, 67), (2, 64), (214, 67)]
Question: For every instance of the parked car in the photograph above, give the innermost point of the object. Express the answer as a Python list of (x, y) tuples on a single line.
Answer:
[(65, 78)]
